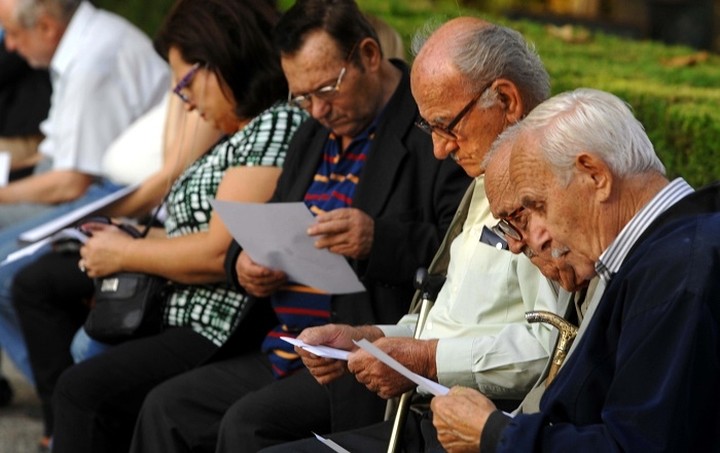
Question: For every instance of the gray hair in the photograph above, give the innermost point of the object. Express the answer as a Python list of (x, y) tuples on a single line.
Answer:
[(27, 12), (591, 120), (488, 52), (510, 134)]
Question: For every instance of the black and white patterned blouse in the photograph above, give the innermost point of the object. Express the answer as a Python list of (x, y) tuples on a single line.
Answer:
[(213, 310)]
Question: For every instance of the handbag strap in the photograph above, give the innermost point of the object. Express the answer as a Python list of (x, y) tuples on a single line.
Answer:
[(152, 219)]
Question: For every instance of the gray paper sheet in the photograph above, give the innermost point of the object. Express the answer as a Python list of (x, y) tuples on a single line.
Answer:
[(275, 235)]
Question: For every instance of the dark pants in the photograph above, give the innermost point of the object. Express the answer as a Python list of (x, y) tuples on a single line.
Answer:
[(237, 406), (97, 401), (50, 297), (419, 436)]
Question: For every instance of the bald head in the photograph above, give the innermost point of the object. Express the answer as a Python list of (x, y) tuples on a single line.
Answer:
[(435, 64), (479, 52), (436, 55), (471, 79)]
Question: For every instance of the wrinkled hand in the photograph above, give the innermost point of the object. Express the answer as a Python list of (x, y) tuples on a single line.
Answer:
[(102, 253), (460, 417), (338, 336), (258, 280), (417, 355), (346, 231)]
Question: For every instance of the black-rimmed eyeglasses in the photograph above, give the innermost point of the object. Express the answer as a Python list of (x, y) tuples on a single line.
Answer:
[(505, 228), (185, 82), (446, 132)]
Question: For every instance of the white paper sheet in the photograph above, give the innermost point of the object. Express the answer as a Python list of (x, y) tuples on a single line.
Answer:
[(67, 233), (5, 158), (48, 228), (424, 383), (332, 445), (319, 350), (25, 251), (275, 236)]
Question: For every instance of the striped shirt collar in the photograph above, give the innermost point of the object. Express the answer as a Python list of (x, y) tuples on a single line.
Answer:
[(613, 257)]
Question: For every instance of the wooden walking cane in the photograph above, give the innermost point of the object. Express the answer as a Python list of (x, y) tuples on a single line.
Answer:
[(429, 285)]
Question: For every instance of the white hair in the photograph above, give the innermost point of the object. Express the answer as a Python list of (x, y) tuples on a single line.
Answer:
[(591, 120)]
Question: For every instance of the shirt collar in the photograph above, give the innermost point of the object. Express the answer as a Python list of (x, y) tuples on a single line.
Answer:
[(70, 43), (613, 257)]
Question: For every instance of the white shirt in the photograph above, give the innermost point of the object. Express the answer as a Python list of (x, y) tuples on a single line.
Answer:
[(105, 73), (479, 314)]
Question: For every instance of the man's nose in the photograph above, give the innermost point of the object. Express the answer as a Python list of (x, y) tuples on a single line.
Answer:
[(442, 147), (319, 108), (538, 237)]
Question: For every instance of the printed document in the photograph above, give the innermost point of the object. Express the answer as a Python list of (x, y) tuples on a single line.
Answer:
[(275, 235)]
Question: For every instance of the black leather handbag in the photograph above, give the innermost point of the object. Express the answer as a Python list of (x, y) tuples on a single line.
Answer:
[(127, 305)]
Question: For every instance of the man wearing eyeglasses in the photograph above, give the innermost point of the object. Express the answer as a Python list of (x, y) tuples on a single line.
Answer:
[(104, 74), (471, 80), (381, 200), (643, 376)]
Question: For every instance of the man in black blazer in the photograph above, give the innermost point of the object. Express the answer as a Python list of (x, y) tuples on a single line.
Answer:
[(382, 200)]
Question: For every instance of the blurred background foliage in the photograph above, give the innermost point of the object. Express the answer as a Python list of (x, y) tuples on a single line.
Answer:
[(674, 90)]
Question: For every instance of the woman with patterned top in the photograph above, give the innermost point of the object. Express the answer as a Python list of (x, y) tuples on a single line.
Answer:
[(221, 54)]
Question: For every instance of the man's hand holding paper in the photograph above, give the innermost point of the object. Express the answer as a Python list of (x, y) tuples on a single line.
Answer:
[(347, 231), (424, 383), (339, 336), (416, 355), (278, 239), (259, 281)]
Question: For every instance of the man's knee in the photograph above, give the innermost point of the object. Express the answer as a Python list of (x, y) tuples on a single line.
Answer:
[(78, 388), (159, 403), (250, 410)]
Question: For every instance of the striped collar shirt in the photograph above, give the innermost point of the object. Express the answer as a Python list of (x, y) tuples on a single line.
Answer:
[(613, 257)]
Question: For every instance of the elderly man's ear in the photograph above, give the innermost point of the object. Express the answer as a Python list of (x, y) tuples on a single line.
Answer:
[(510, 100), (595, 174)]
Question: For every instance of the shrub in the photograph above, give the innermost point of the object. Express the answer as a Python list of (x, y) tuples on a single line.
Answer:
[(677, 104)]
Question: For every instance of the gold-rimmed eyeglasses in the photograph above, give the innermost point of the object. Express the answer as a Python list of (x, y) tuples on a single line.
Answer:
[(446, 131), (505, 228), (326, 92)]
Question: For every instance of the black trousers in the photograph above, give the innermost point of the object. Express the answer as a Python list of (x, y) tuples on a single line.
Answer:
[(97, 401), (237, 406), (50, 297), (418, 436)]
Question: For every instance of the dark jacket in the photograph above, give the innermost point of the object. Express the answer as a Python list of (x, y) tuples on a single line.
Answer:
[(644, 377), (411, 196)]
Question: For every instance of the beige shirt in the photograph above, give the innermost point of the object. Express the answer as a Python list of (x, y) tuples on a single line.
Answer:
[(479, 314)]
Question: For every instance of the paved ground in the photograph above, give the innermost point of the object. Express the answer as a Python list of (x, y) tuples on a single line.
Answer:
[(20, 423)]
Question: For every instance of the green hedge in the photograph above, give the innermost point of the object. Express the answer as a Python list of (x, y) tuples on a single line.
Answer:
[(680, 107)]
